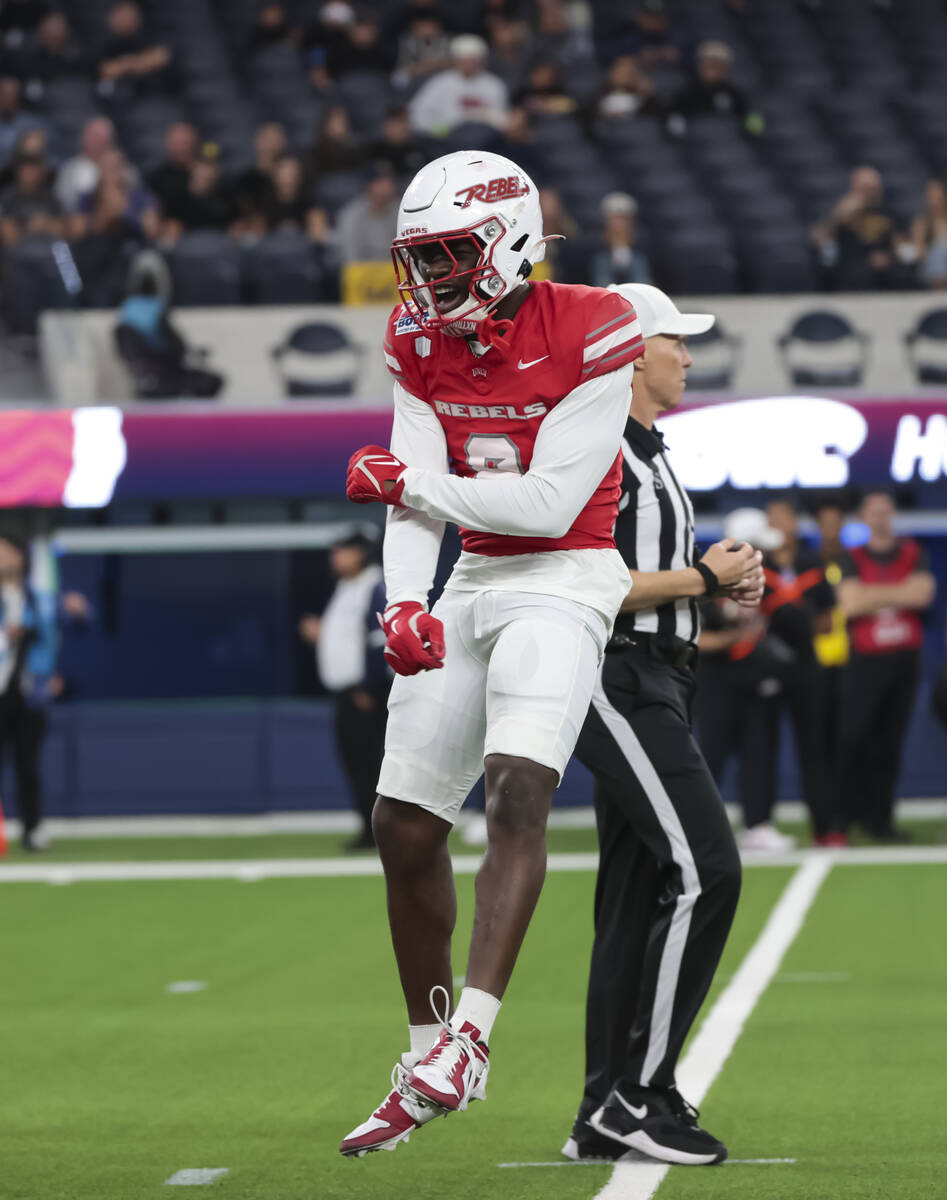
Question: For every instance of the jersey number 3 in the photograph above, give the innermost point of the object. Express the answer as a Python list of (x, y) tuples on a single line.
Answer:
[(497, 453)]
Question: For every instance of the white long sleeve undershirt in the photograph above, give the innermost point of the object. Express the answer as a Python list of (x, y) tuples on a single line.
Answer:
[(413, 539)]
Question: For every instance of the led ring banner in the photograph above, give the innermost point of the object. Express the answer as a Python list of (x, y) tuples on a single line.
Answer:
[(87, 457)]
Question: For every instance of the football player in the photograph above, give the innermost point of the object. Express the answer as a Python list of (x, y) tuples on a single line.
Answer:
[(510, 401)]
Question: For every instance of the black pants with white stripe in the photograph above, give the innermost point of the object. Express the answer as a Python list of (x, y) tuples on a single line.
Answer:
[(669, 875)]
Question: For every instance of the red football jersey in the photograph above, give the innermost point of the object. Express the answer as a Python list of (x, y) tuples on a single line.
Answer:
[(491, 406)]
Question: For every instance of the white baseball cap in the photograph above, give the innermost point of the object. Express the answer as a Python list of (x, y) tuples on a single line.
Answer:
[(752, 525), (658, 313)]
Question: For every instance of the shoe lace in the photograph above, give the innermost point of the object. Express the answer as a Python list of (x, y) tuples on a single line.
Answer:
[(448, 1055), (682, 1107), (414, 1102)]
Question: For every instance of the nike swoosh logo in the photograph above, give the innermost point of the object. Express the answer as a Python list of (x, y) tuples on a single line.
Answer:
[(522, 366), (640, 1113), (368, 458)]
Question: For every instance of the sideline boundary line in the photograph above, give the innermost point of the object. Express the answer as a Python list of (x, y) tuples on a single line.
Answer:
[(722, 1026), (253, 870), (344, 821)]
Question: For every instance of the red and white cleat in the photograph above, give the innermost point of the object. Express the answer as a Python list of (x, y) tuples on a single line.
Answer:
[(454, 1070), (395, 1119)]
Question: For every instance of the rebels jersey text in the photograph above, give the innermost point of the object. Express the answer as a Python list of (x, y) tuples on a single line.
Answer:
[(491, 405)]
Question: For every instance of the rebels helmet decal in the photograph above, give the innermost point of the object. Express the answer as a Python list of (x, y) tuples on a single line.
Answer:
[(505, 188)]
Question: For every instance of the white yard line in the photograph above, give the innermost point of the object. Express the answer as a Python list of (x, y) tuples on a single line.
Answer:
[(723, 1025), (344, 821), (252, 870)]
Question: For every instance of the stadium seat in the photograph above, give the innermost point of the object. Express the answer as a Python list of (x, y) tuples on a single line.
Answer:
[(282, 269), (205, 268)]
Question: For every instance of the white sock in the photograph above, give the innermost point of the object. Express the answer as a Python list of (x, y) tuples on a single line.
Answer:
[(479, 1008), (423, 1038)]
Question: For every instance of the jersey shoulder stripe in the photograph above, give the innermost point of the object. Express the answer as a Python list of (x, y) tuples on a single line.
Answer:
[(621, 356)]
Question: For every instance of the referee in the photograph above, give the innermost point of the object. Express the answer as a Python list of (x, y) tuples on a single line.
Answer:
[(669, 872)]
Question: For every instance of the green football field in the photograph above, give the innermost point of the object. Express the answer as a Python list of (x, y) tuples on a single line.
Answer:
[(110, 1083)]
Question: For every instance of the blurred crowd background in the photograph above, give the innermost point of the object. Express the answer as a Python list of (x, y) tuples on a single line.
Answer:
[(712, 146), (203, 193)]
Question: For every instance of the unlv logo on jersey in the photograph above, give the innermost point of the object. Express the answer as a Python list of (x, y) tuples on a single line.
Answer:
[(504, 188)]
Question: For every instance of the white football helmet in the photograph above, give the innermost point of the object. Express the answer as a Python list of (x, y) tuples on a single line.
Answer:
[(467, 195)]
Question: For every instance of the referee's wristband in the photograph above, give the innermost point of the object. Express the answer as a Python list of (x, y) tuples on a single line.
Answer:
[(711, 582)]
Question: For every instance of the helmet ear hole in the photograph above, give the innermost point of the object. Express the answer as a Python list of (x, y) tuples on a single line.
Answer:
[(520, 242)]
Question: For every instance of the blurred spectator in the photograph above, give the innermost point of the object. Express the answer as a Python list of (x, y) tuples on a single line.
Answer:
[(32, 142), (361, 49), (399, 146), (366, 225), (104, 252), (30, 610), (170, 181), (289, 208), (351, 664), (741, 678), (271, 28), (207, 203), (336, 148), (80, 174), (14, 122), (401, 16), (620, 261), (57, 55), (798, 602), (543, 93), (556, 38), (929, 236), (133, 61), (323, 39), (423, 50), (159, 360), (510, 51), (29, 205), (712, 92), (628, 91), (646, 33), (253, 190), (886, 587), (858, 244), (465, 94), (141, 207)]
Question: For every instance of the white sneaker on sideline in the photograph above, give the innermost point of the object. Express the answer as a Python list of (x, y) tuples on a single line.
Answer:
[(765, 839)]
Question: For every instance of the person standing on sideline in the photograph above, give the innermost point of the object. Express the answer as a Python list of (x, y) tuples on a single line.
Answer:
[(29, 644), (798, 602), (886, 586), (669, 871), (350, 659), (742, 674)]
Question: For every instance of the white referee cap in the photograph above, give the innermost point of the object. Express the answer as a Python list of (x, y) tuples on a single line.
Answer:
[(657, 312)]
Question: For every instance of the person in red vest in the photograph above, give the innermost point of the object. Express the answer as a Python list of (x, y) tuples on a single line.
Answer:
[(886, 586)]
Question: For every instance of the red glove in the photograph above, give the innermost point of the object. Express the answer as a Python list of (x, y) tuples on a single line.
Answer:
[(414, 640), (375, 474)]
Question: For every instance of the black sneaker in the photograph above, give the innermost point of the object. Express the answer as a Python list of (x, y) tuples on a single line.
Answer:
[(590, 1146), (658, 1122)]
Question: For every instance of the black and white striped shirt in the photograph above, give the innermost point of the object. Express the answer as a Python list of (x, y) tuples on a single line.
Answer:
[(655, 530)]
